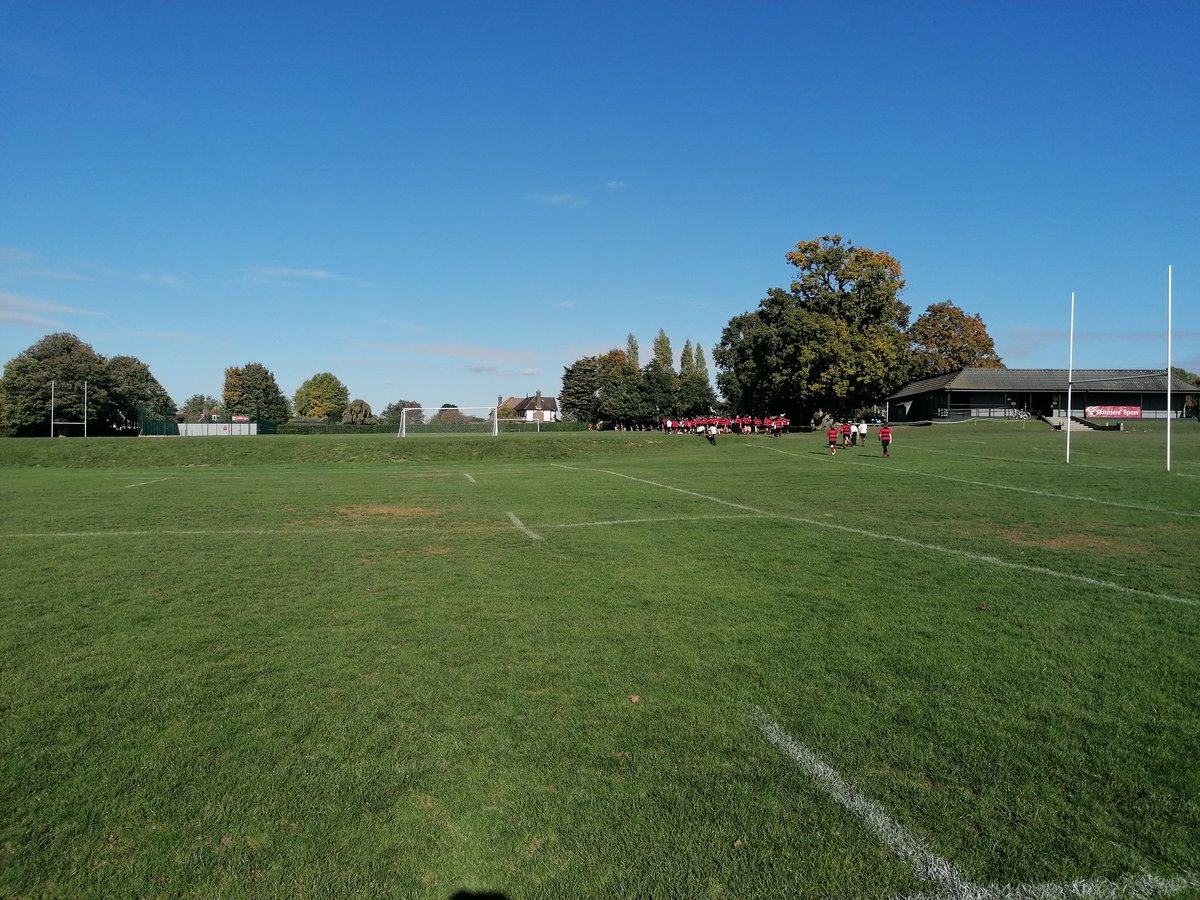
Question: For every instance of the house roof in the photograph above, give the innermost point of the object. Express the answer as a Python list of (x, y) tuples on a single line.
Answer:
[(1150, 381), (546, 404)]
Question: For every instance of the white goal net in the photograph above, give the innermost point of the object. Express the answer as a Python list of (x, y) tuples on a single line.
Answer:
[(448, 420)]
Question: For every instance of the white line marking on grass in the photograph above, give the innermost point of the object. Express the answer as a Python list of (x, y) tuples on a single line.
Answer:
[(520, 526), (1014, 459), (561, 466), (142, 483), (928, 866), (1009, 487), (656, 519), (1022, 490), (468, 477), (212, 532), (908, 542)]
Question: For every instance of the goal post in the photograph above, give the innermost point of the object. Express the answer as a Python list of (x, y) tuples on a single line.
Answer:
[(449, 420)]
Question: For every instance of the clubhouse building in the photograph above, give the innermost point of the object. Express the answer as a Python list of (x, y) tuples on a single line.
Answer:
[(1018, 393)]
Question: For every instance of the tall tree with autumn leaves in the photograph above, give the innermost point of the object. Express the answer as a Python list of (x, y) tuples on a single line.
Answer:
[(835, 339), (944, 339)]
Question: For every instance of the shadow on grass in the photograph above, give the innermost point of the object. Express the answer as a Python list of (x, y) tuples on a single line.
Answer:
[(475, 895)]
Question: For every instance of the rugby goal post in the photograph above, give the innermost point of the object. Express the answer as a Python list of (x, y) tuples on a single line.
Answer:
[(449, 420)]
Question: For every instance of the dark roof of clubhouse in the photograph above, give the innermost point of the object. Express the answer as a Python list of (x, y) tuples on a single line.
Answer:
[(1146, 381)]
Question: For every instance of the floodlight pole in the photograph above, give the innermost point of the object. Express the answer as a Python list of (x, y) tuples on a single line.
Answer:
[(85, 409), (1169, 410), (1070, 374), (51, 407)]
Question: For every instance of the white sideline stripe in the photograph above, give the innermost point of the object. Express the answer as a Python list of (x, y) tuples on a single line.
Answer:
[(469, 477), (925, 864), (1022, 461), (928, 866), (656, 519), (213, 532), (561, 466), (1009, 487), (520, 526), (1131, 887), (141, 483), (908, 542), (1051, 494)]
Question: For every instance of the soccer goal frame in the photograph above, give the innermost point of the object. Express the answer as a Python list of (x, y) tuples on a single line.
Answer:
[(55, 421), (491, 420)]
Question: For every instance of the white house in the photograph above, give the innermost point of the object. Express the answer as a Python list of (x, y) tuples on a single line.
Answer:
[(534, 409)]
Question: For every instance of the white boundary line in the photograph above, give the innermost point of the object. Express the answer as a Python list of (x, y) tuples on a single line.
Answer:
[(216, 532), (928, 866), (1009, 487), (1050, 494), (143, 483), (655, 519), (908, 542), (469, 478), (521, 527)]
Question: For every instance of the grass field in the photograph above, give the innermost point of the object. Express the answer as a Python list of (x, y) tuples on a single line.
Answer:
[(601, 665)]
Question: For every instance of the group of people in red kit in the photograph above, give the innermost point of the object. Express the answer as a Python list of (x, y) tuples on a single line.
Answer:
[(854, 434)]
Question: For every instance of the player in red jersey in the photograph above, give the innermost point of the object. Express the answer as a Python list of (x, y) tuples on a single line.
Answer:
[(832, 434), (885, 438)]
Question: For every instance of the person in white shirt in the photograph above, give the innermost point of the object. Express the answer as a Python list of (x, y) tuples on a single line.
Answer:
[(862, 433)]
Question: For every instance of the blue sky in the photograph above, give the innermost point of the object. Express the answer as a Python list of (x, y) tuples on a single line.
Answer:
[(446, 202)]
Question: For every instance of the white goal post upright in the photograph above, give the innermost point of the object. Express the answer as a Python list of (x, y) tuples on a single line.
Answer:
[(1070, 374), (1169, 372), (482, 416)]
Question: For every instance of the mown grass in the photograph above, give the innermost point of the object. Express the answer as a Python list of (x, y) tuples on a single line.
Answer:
[(315, 667)]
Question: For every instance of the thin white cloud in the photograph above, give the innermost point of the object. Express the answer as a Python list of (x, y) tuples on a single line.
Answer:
[(290, 274), (267, 273), (18, 309), (16, 254), (564, 200), (464, 351), (178, 337), (614, 185), (58, 276), (565, 304), (507, 373)]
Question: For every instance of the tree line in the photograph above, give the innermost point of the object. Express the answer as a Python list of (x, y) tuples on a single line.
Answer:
[(121, 389), (837, 340), (613, 387)]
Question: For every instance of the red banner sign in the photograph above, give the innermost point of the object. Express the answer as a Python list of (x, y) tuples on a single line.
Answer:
[(1113, 412), (239, 418)]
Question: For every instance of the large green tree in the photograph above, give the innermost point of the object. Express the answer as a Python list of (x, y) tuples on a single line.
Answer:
[(251, 390), (945, 339), (135, 390), (116, 389), (835, 339), (393, 411), (199, 407), (358, 412), (322, 397), (589, 383), (694, 395)]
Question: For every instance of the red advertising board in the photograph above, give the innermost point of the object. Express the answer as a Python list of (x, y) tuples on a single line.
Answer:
[(239, 418), (1113, 412)]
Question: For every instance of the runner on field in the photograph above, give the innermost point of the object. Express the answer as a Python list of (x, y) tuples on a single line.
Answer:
[(832, 434), (885, 438)]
